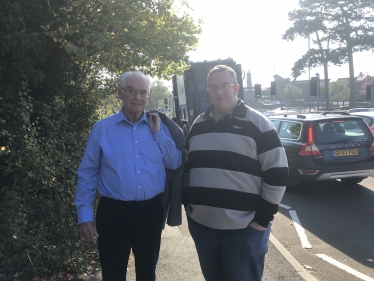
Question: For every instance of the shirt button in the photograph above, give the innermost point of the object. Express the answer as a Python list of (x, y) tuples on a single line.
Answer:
[(135, 128), (136, 141), (140, 187), (137, 156), (138, 171)]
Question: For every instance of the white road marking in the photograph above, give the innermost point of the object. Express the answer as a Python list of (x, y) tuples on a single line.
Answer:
[(300, 230), (285, 206), (345, 268)]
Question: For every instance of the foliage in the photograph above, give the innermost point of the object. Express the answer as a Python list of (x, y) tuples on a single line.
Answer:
[(58, 66), (292, 93), (340, 89), (347, 26), (363, 81), (159, 92)]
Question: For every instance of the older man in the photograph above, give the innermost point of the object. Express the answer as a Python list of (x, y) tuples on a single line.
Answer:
[(126, 156), (238, 172)]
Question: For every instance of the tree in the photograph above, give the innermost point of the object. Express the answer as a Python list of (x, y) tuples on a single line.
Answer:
[(59, 66), (362, 81), (292, 93), (348, 25), (158, 94), (340, 91), (307, 22)]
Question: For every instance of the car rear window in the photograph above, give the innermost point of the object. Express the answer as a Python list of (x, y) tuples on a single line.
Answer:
[(290, 130), (367, 119), (342, 131)]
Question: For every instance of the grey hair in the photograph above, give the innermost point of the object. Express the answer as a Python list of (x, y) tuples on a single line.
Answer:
[(123, 77), (222, 67)]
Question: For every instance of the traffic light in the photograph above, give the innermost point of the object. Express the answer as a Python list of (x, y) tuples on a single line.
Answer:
[(257, 91), (369, 92), (273, 90), (314, 86)]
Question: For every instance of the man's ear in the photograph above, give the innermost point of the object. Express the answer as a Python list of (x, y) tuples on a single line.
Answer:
[(237, 87)]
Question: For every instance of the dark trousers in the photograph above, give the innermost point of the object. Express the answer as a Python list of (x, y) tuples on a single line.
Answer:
[(126, 225)]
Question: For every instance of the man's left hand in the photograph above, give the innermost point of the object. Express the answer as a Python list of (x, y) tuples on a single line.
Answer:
[(255, 225), (154, 122)]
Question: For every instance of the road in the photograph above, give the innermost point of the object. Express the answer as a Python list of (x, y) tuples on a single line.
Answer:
[(338, 224)]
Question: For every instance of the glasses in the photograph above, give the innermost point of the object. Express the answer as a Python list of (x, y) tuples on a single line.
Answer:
[(132, 92), (223, 87)]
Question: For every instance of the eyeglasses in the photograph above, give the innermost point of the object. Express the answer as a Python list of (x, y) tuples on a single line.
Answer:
[(223, 87), (132, 92)]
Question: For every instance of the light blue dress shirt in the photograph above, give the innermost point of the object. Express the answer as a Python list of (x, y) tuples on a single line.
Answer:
[(126, 161)]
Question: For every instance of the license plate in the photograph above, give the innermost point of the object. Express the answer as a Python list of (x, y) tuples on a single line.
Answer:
[(345, 152)]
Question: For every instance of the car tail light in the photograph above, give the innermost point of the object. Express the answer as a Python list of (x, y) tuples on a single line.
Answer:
[(309, 148), (372, 133)]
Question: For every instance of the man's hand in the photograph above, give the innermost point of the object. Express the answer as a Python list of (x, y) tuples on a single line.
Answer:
[(154, 122), (88, 231), (255, 225)]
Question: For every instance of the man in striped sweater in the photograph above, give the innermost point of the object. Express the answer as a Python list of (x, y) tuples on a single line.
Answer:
[(238, 173)]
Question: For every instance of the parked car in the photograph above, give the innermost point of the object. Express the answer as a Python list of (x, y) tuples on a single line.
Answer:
[(279, 112), (368, 117), (360, 109), (299, 109), (324, 146)]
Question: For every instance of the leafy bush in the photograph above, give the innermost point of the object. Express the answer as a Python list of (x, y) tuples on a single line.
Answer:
[(58, 62)]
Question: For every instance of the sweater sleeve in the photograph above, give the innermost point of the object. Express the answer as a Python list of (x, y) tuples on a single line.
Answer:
[(274, 167)]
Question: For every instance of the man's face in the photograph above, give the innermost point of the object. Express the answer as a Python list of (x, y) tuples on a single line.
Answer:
[(224, 95), (133, 104)]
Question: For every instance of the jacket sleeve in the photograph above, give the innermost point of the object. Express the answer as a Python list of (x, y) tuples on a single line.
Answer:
[(172, 197)]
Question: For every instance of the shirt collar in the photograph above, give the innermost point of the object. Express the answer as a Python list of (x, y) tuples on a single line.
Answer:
[(238, 111), (120, 116)]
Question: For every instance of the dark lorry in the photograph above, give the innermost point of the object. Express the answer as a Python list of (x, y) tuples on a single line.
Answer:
[(190, 90)]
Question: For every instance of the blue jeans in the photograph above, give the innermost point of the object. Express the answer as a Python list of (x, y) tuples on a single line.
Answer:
[(230, 255)]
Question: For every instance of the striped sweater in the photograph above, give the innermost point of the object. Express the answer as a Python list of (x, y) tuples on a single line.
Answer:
[(238, 169)]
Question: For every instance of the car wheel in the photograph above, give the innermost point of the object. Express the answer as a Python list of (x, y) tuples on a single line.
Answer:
[(353, 180)]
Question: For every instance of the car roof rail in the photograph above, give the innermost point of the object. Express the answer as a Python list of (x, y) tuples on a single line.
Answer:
[(334, 112), (301, 116)]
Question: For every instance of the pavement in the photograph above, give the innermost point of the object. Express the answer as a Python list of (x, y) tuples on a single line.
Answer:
[(178, 260)]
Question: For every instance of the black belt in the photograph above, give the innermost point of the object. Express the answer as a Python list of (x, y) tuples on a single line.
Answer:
[(131, 203)]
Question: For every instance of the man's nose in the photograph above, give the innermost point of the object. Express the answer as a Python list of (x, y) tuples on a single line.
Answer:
[(137, 96)]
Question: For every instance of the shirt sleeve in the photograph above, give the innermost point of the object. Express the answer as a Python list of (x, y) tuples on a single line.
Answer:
[(88, 178), (172, 156)]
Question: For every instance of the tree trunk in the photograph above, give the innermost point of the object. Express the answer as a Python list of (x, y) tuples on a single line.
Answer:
[(352, 80), (326, 85)]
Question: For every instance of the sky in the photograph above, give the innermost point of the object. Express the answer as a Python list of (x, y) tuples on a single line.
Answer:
[(250, 32)]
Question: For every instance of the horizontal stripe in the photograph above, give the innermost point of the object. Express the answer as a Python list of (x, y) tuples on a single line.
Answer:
[(268, 141), (224, 141), (224, 160), (222, 179), (218, 218), (273, 193), (230, 125), (273, 158), (276, 176), (265, 138), (220, 198)]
